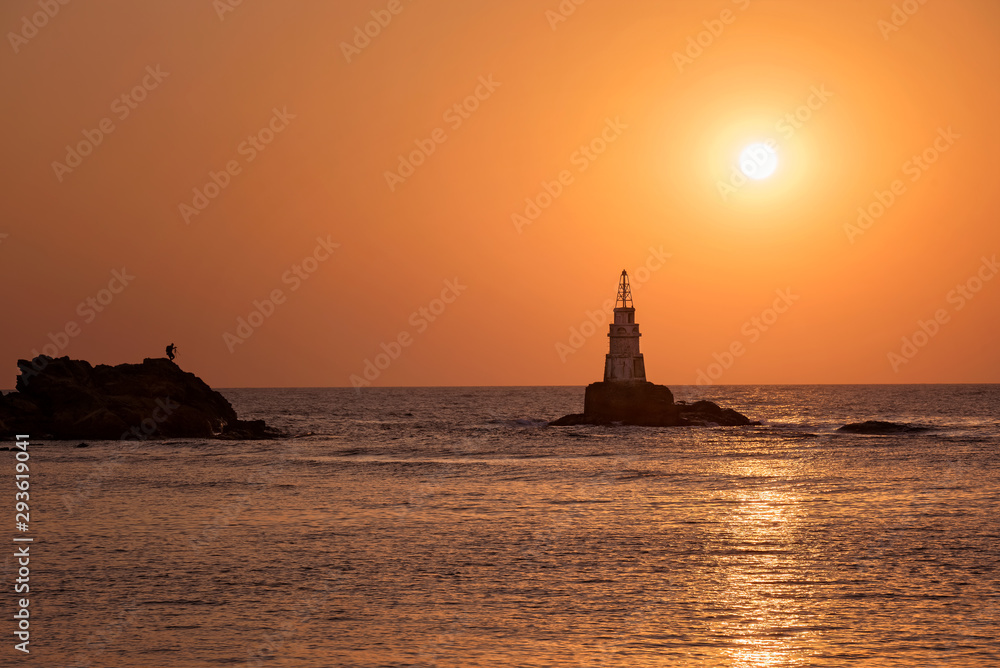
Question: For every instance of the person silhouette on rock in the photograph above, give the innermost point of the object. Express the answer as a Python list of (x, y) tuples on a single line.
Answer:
[(171, 349)]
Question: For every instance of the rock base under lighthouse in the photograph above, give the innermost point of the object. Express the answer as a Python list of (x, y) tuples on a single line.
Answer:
[(647, 404)]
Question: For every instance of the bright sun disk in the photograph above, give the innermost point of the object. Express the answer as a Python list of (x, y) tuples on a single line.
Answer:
[(758, 160)]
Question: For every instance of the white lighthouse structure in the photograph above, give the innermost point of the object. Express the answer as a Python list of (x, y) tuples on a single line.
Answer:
[(624, 364)]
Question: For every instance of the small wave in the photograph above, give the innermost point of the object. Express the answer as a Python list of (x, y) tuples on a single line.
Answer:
[(520, 422), (792, 431), (963, 438)]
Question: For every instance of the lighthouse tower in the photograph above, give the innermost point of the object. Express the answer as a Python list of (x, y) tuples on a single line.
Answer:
[(624, 362)]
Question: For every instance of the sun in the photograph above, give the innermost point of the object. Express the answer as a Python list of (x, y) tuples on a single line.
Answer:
[(759, 160)]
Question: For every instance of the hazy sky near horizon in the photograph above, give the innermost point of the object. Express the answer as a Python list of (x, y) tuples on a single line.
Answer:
[(459, 190)]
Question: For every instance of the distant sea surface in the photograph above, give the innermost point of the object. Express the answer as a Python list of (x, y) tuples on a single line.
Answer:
[(451, 527)]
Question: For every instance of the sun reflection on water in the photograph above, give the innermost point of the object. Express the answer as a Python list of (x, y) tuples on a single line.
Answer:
[(762, 567)]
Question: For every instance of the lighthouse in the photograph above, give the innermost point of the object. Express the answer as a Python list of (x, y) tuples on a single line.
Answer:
[(623, 364), (626, 397)]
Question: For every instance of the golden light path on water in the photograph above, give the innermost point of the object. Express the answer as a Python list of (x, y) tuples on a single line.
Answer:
[(762, 575)]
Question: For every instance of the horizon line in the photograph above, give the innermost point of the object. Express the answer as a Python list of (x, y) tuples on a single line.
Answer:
[(417, 387)]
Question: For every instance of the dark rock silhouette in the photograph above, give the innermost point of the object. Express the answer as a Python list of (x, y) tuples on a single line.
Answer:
[(70, 399), (646, 404), (880, 427)]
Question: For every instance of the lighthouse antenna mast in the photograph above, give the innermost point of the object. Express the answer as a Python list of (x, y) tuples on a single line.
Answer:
[(624, 299)]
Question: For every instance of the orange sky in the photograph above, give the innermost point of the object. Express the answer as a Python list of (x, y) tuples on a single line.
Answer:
[(627, 78)]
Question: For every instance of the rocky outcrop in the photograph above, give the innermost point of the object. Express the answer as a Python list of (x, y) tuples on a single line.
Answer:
[(880, 427), (647, 404), (70, 399), (709, 414)]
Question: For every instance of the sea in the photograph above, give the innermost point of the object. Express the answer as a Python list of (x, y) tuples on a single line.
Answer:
[(453, 527)]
